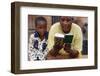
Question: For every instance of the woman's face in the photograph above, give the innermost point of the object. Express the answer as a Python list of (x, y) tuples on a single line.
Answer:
[(66, 23)]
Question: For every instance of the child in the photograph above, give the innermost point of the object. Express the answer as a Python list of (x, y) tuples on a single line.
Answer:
[(38, 40)]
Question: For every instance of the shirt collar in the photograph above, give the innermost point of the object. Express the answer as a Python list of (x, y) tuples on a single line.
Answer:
[(36, 34)]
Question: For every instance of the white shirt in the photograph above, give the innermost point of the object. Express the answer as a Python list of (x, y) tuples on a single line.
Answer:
[(37, 48)]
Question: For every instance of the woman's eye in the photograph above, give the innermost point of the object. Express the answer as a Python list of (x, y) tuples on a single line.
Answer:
[(63, 19)]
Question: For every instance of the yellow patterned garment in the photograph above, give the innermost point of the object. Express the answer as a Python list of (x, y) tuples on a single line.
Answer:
[(77, 37)]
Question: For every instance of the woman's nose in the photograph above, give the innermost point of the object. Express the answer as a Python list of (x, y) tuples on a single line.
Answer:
[(65, 22)]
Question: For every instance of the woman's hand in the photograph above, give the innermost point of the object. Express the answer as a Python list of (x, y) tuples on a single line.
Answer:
[(72, 53), (67, 47)]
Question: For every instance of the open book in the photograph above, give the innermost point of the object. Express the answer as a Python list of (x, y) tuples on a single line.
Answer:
[(61, 38)]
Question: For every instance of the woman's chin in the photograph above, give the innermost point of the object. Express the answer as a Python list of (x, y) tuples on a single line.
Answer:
[(66, 32)]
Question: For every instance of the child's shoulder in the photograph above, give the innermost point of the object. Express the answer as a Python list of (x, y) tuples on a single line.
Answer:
[(36, 34), (31, 35)]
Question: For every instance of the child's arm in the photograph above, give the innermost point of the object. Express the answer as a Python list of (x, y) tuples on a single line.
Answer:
[(30, 47)]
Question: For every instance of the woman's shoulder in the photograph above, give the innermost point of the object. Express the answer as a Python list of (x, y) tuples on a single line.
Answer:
[(55, 25), (76, 27)]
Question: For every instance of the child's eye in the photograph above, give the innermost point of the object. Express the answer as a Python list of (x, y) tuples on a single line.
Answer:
[(40, 27)]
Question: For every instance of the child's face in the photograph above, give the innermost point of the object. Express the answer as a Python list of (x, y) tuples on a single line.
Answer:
[(41, 28)]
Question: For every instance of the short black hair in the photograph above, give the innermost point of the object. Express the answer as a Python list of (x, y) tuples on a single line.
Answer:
[(71, 17), (40, 18)]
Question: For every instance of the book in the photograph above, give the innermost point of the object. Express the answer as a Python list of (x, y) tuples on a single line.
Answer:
[(61, 38)]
